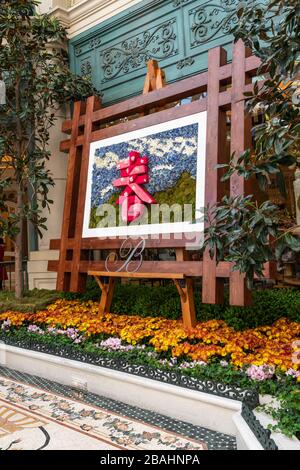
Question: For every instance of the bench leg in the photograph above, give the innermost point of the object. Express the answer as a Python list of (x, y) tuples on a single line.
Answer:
[(187, 302), (106, 296)]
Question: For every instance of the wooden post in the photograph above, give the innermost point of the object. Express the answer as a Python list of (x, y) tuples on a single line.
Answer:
[(155, 78), (78, 279), (186, 293), (71, 196), (213, 287), (240, 140)]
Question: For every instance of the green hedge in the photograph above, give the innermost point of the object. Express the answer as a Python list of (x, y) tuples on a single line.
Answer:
[(268, 305)]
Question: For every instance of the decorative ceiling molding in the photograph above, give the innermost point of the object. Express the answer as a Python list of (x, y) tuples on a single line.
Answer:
[(87, 13)]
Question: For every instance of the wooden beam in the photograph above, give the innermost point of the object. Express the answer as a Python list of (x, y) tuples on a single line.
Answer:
[(136, 275), (180, 289), (99, 282), (63, 279), (141, 122), (187, 303), (149, 120), (159, 241), (187, 268), (106, 297)]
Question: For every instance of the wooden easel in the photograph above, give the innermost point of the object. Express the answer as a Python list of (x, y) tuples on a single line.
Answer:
[(91, 123)]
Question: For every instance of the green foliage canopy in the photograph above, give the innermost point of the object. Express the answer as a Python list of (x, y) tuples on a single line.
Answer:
[(34, 67)]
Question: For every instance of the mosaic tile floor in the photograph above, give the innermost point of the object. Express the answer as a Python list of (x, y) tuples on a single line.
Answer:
[(36, 413)]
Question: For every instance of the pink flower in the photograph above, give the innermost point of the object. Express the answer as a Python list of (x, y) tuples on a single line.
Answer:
[(35, 329), (260, 373), (223, 363), (191, 365), (293, 373), (51, 330), (5, 325), (114, 344)]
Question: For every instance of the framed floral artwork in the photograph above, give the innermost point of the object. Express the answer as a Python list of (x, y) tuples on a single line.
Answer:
[(149, 181)]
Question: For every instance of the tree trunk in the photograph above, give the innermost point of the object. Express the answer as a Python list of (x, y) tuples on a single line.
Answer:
[(19, 214), (19, 249)]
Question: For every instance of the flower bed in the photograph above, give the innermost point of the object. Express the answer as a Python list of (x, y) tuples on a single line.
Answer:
[(268, 346), (260, 358)]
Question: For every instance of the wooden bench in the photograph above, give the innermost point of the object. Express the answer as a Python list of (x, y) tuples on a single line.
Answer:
[(183, 283)]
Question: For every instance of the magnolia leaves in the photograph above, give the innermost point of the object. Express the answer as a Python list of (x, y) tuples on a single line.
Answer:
[(238, 229), (247, 234)]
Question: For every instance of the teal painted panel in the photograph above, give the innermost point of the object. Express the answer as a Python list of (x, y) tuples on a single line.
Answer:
[(178, 33)]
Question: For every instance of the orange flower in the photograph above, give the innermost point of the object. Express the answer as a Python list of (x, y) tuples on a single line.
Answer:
[(270, 345)]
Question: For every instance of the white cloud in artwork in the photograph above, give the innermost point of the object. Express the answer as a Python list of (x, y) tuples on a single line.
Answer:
[(161, 147), (106, 190), (162, 167), (109, 161)]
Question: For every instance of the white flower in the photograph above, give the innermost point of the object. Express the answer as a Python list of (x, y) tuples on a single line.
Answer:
[(109, 161), (162, 167), (189, 150), (106, 190)]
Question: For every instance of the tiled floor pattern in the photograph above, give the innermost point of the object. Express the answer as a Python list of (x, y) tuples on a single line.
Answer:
[(36, 413)]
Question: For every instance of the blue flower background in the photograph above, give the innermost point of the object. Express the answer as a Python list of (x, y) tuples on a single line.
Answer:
[(170, 153)]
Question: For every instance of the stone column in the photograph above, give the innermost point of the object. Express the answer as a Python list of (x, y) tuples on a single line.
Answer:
[(39, 276), (297, 194)]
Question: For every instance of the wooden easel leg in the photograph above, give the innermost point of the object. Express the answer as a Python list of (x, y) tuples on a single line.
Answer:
[(187, 302), (188, 305), (106, 297), (186, 294)]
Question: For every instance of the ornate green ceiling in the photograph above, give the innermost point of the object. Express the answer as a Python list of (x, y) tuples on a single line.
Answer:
[(178, 33)]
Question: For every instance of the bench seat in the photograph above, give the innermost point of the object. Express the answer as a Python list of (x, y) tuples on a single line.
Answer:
[(185, 290)]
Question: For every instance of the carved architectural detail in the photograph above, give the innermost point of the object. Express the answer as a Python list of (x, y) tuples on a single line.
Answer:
[(86, 68), (156, 43), (178, 3), (95, 42), (119, 52), (208, 20), (188, 62)]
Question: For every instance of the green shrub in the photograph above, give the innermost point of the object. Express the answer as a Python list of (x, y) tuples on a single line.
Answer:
[(92, 292), (268, 306), (163, 301)]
